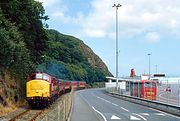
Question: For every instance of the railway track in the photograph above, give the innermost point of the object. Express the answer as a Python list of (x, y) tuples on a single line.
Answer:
[(27, 115)]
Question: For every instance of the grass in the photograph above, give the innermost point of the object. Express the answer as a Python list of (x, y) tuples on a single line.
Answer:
[(7, 109), (10, 107)]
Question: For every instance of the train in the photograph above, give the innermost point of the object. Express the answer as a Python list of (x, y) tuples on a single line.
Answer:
[(42, 89)]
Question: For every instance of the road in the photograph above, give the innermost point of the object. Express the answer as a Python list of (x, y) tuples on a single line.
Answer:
[(168, 97), (96, 105)]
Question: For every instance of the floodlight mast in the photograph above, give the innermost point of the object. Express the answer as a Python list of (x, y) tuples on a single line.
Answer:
[(117, 53)]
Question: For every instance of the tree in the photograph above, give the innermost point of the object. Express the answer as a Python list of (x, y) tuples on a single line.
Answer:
[(13, 51), (28, 15)]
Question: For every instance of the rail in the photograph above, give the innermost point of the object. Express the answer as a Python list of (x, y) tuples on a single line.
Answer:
[(169, 108), (19, 115), (58, 111), (29, 115)]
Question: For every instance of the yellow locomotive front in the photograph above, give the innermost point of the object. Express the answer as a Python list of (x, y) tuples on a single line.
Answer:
[(38, 89)]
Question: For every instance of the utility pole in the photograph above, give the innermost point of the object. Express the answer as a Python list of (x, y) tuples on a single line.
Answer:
[(150, 74), (117, 6), (149, 66), (156, 68)]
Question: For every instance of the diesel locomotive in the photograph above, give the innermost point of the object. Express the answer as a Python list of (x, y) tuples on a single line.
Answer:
[(42, 89)]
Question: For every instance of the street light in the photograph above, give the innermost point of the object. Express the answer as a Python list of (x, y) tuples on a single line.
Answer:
[(150, 73), (117, 6), (149, 65), (156, 68)]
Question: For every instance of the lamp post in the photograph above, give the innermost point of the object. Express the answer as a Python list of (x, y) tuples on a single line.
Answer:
[(156, 68), (149, 65), (117, 6), (150, 73)]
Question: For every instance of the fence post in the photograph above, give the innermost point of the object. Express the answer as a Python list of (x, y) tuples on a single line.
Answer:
[(65, 108), (64, 115), (167, 92), (151, 90), (178, 93), (58, 111), (47, 117), (138, 89), (133, 89), (129, 88)]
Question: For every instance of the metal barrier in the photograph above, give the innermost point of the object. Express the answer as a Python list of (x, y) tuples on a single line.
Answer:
[(173, 109)]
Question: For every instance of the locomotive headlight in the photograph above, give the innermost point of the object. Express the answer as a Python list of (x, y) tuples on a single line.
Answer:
[(37, 91)]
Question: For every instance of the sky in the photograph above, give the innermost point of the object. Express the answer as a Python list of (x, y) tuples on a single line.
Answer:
[(145, 26)]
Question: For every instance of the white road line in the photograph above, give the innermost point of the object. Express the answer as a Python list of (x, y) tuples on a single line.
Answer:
[(103, 98), (134, 118), (99, 113), (84, 99), (93, 107), (107, 101), (160, 114), (100, 98), (145, 114), (125, 109), (114, 104), (113, 117), (140, 116), (161, 97), (165, 113)]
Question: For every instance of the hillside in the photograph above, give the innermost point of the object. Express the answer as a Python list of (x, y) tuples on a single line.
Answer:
[(28, 46), (69, 58)]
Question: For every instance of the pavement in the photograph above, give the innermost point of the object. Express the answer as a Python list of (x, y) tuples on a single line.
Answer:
[(96, 105), (81, 110)]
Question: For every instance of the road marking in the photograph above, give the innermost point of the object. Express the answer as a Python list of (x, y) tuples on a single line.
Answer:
[(166, 98), (99, 113), (165, 113), (93, 107), (125, 109), (84, 99), (115, 117), (114, 104), (145, 114), (140, 116), (100, 98), (134, 118), (107, 101), (160, 114)]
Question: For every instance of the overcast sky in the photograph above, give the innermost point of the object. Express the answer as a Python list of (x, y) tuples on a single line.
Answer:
[(145, 26)]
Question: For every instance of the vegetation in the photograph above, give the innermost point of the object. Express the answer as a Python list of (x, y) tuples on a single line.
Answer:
[(66, 60), (27, 46)]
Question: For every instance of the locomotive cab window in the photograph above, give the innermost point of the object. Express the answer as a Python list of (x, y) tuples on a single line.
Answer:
[(39, 76), (45, 77)]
